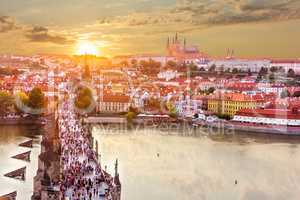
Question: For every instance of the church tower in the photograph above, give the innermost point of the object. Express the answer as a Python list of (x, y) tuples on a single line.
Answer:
[(86, 71)]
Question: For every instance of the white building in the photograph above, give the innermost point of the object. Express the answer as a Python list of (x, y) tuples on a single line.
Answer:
[(188, 108), (240, 64), (114, 104), (168, 75), (144, 57), (268, 117), (268, 88)]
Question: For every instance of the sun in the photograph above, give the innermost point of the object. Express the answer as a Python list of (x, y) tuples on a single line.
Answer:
[(87, 48)]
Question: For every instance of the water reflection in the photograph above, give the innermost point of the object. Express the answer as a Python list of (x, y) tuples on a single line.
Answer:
[(265, 167), (10, 137)]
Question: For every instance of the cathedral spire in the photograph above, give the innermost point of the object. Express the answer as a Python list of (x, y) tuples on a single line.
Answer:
[(227, 53)]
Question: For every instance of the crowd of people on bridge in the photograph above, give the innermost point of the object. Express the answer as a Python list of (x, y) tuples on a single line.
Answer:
[(82, 175)]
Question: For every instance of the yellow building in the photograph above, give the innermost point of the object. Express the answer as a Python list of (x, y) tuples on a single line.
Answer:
[(231, 103)]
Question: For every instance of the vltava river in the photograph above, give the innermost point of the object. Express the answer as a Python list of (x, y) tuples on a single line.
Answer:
[(10, 137), (156, 166)]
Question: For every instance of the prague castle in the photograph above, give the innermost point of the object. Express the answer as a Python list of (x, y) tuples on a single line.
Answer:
[(184, 53)]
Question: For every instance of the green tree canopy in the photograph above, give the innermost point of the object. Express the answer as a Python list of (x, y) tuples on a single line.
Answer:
[(84, 98), (130, 116), (6, 102), (296, 94), (193, 67), (22, 99), (172, 109), (134, 63), (212, 68), (36, 99), (171, 64), (235, 70), (150, 67), (285, 93), (291, 73)]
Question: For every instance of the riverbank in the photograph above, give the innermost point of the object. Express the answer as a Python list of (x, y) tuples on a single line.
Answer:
[(49, 163), (21, 121), (163, 122)]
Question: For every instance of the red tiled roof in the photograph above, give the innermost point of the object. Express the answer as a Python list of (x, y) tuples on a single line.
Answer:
[(116, 98), (270, 113), (238, 97), (240, 86)]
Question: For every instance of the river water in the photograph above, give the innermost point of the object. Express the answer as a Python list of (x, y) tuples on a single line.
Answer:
[(173, 167), (156, 165), (10, 138)]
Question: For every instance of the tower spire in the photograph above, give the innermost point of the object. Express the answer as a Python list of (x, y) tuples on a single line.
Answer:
[(116, 168)]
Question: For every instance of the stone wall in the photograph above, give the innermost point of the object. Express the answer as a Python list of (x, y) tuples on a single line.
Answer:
[(48, 172)]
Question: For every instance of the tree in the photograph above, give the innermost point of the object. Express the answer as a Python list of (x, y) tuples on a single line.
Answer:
[(134, 63), (224, 116), (249, 72), (211, 90), (171, 109), (212, 68), (291, 73), (36, 99), (171, 64), (130, 116), (235, 70), (133, 109), (193, 67), (150, 67), (84, 98), (22, 99), (124, 63), (285, 93), (262, 72), (272, 77), (132, 113), (273, 69), (6, 102), (296, 94), (281, 70), (202, 69)]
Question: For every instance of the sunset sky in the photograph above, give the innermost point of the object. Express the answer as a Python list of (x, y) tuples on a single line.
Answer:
[(254, 28)]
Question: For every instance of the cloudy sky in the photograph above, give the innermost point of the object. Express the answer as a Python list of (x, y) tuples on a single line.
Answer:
[(255, 28)]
